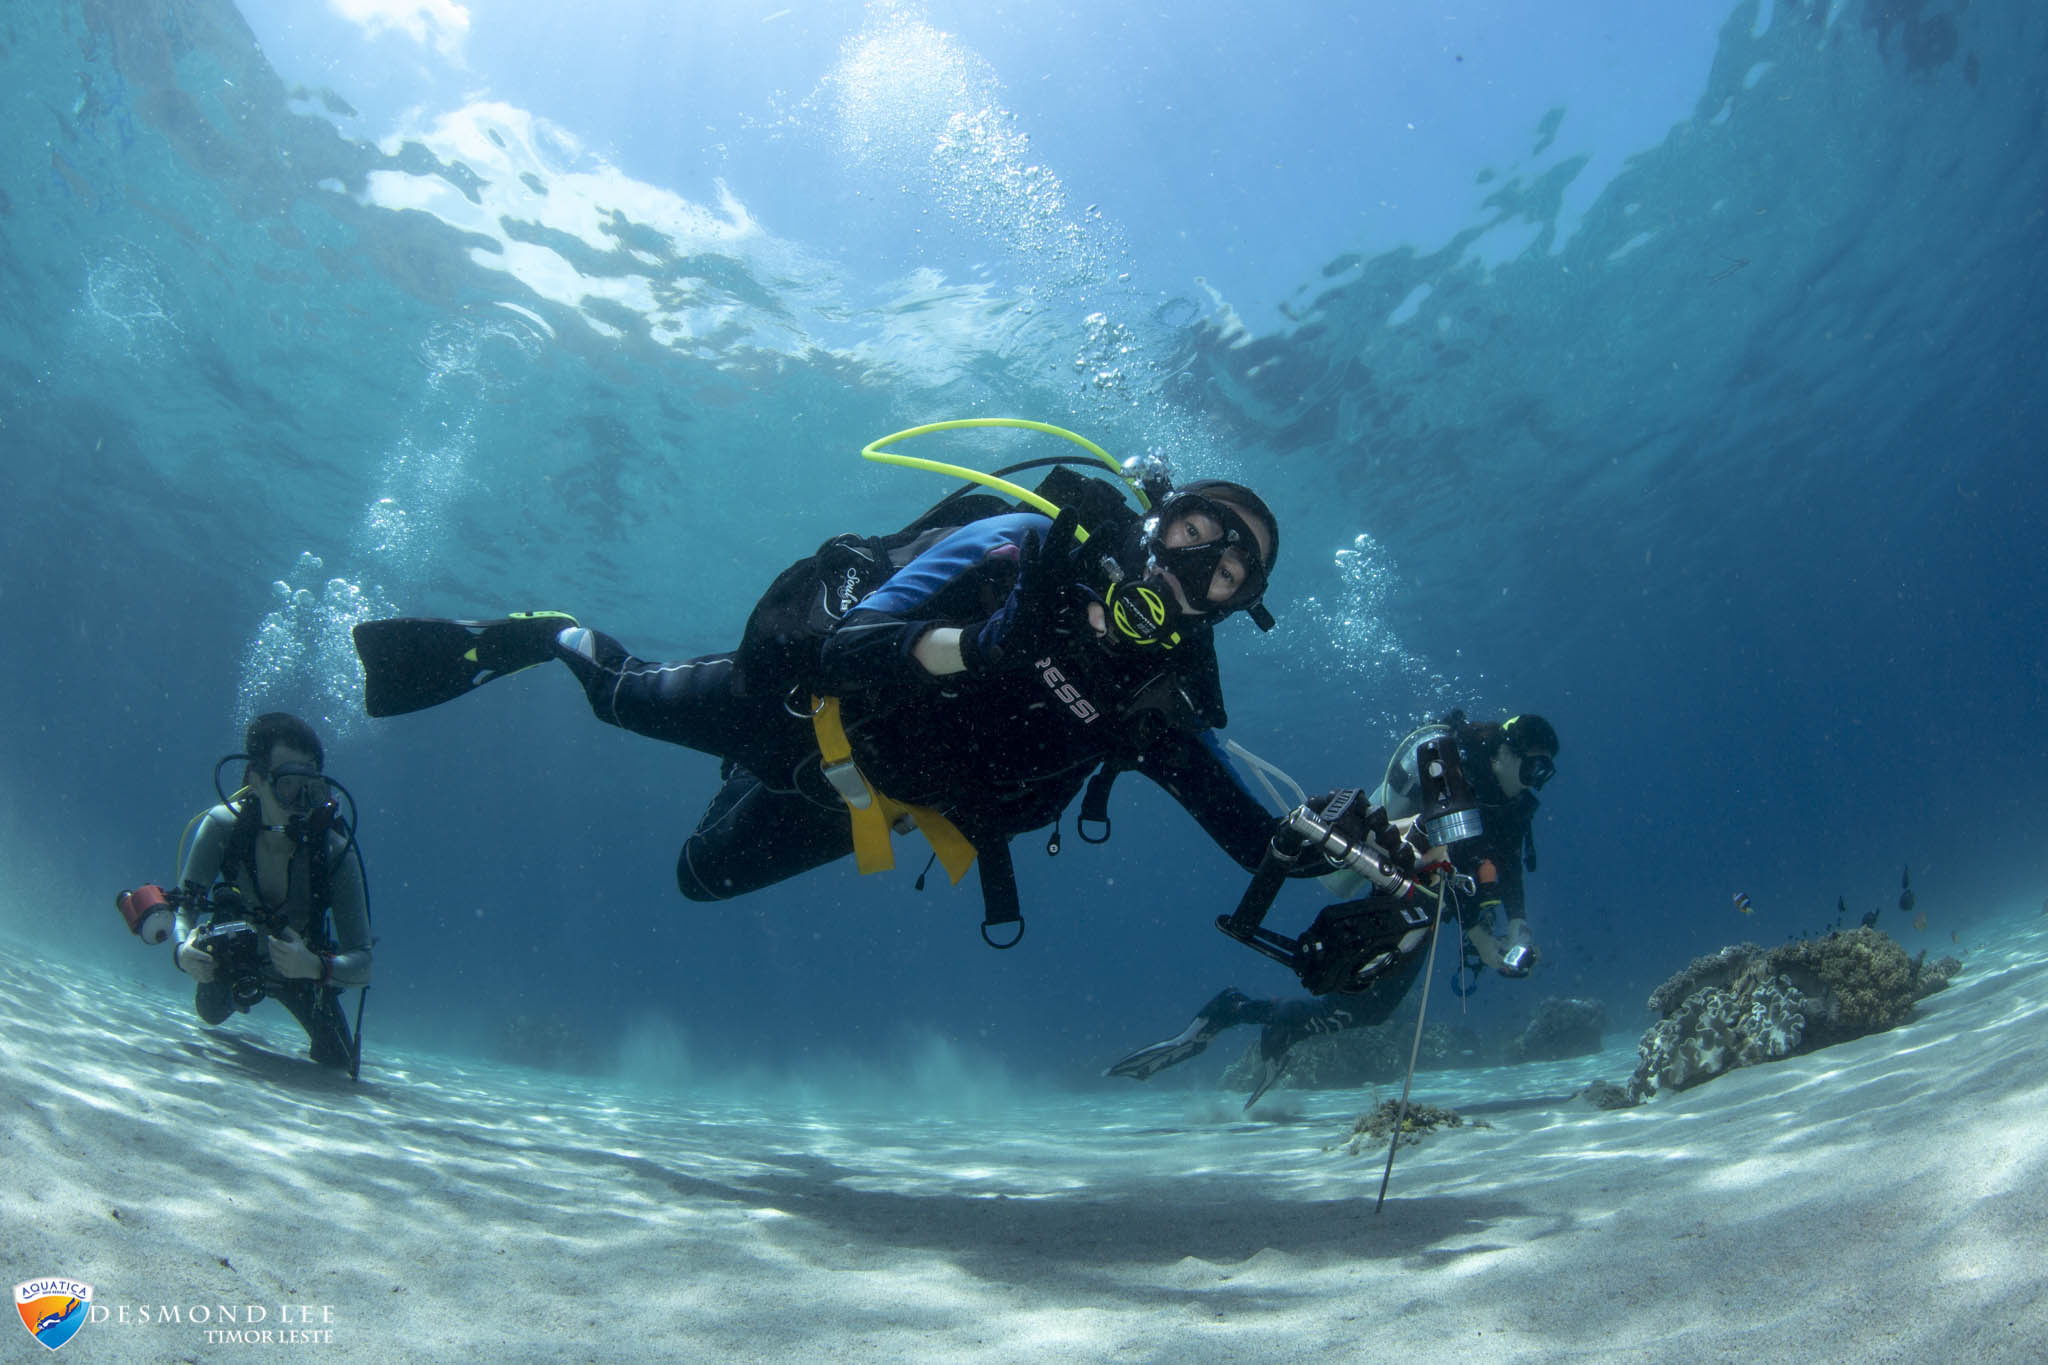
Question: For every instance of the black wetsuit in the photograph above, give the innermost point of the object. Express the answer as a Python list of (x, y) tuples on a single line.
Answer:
[(1504, 838), (998, 750)]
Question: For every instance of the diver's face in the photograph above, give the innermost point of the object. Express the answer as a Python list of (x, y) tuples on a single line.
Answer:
[(1198, 527), (288, 783), (1508, 766)]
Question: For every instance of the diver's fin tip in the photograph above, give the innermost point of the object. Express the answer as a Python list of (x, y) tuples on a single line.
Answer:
[(411, 663)]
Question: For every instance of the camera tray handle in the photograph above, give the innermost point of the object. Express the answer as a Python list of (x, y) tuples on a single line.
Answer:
[(1303, 833), (1385, 868)]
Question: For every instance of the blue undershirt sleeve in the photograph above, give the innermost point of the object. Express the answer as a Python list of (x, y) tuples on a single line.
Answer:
[(872, 646)]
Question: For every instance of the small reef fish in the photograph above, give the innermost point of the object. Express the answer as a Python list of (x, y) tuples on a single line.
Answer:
[(1920, 921), (1905, 888), (1742, 905)]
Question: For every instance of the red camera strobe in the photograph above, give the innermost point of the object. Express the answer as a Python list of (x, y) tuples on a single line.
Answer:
[(148, 914)]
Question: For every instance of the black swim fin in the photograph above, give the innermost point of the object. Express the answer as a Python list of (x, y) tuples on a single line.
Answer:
[(412, 662), (1227, 1009), (1146, 1061), (1291, 1023), (1268, 1071)]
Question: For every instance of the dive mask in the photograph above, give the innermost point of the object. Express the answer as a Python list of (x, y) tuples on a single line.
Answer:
[(299, 789), (1145, 611)]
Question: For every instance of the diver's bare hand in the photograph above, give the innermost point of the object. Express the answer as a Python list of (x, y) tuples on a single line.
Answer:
[(1436, 855), (292, 958), (196, 963)]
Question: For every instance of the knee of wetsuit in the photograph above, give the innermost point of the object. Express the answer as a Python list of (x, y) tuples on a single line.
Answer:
[(212, 1003), (693, 886), (1292, 1021), (1298, 1015)]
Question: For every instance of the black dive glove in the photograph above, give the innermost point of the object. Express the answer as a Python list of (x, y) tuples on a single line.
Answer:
[(1037, 617)]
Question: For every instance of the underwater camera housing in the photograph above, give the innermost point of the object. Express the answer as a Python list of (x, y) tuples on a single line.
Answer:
[(233, 935), (234, 939), (1351, 944)]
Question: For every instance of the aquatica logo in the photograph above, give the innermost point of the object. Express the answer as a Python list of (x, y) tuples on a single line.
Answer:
[(53, 1309)]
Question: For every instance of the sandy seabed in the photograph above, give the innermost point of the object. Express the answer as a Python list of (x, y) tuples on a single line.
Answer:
[(1885, 1200)]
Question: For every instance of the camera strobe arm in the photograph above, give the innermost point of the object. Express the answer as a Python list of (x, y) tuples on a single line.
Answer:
[(1375, 850), (1246, 923), (1351, 943)]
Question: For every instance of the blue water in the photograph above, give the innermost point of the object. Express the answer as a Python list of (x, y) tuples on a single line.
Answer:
[(1678, 380)]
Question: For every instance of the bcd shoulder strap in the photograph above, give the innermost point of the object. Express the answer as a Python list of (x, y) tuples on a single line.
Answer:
[(240, 856), (787, 628)]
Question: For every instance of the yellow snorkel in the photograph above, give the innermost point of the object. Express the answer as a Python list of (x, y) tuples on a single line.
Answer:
[(873, 451)]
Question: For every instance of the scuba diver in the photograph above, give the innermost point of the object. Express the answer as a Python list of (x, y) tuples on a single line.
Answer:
[(964, 676), (272, 900), (1505, 764)]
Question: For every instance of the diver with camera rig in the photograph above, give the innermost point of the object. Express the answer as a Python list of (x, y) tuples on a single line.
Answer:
[(1470, 787), (272, 901)]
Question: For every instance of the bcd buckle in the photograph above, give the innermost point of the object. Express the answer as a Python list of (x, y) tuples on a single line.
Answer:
[(847, 781)]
